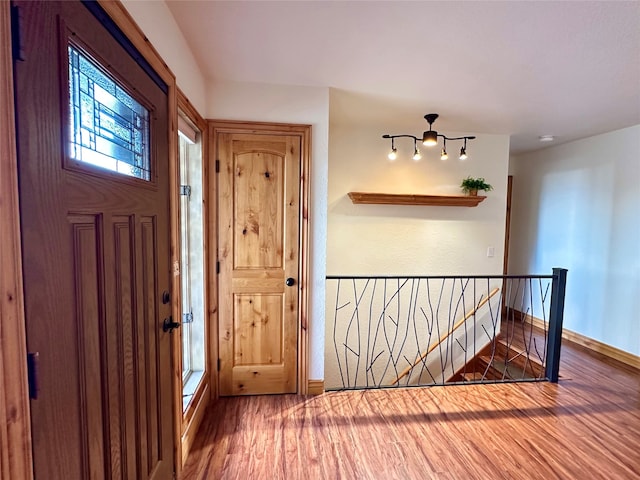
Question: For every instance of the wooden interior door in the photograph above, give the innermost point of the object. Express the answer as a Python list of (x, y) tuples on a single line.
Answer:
[(258, 251), (95, 259)]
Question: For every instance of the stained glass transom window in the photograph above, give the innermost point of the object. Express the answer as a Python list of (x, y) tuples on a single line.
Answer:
[(109, 128)]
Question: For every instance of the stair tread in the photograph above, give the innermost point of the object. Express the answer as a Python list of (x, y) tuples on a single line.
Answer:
[(507, 370), (500, 360), (488, 369), (519, 359)]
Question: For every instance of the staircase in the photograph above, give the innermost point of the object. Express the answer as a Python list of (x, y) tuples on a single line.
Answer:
[(502, 360), (396, 331)]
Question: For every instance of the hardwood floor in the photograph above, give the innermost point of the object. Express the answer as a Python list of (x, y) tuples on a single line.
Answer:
[(585, 427)]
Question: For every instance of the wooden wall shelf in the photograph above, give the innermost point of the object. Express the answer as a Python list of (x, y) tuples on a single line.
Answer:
[(407, 199)]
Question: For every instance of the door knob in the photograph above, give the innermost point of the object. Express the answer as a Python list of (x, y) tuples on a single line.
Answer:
[(168, 324), (290, 282)]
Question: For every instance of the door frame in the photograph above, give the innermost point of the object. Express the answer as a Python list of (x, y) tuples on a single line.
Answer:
[(507, 226), (15, 428), (15, 423), (304, 133)]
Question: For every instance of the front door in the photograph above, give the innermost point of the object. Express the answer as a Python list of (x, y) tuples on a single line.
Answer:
[(93, 164), (258, 251)]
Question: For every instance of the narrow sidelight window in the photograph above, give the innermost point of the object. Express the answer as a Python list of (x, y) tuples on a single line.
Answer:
[(192, 261)]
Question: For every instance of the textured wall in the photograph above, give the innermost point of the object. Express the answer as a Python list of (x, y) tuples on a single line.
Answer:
[(158, 24), (577, 206), (418, 240)]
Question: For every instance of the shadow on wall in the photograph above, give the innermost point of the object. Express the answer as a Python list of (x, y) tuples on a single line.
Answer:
[(575, 228), (576, 205)]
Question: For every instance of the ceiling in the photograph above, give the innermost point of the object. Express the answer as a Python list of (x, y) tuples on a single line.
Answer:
[(569, 69)]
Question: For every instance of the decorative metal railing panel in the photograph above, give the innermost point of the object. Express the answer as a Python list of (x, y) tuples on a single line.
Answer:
[(418, 331)]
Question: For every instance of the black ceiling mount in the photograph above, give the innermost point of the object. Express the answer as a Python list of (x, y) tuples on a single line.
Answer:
[(431, 117)]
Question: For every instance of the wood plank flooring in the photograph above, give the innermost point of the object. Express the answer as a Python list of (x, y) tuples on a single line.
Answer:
[(585, 427)]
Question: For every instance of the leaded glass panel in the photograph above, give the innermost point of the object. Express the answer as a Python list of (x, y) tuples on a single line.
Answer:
[(109, 128)]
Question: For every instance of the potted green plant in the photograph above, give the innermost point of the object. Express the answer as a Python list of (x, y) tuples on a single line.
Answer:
[(471, 185)]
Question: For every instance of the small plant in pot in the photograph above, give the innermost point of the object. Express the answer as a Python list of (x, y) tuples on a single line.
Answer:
[(471, 185)]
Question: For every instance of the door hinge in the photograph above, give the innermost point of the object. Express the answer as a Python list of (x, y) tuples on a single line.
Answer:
[(217, 166), (218, 364), (33, 360), (16, 33), (218, 267), (185, 190), (187, 317)]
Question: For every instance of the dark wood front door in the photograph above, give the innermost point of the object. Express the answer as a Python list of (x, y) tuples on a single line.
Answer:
[(93, 166)]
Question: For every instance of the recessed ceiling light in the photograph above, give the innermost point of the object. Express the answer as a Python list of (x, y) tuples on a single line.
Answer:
[(546, 138)]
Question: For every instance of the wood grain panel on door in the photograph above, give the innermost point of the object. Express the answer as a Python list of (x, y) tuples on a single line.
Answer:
[(259, 207), (124, 426), (259, 185), (90, 321), (258, 318), (150, 409)]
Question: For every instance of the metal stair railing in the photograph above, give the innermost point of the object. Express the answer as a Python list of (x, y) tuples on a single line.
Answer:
[(461, 322), (398, 331)]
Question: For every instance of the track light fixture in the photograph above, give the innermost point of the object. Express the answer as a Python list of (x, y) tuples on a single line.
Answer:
[(429, 139)]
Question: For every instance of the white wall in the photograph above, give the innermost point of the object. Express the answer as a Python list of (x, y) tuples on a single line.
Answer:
[(157, 23), (577, 206), (301, 105), (412, 240)]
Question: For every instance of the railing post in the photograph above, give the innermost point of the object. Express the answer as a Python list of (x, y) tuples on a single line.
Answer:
[(556, 316)]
